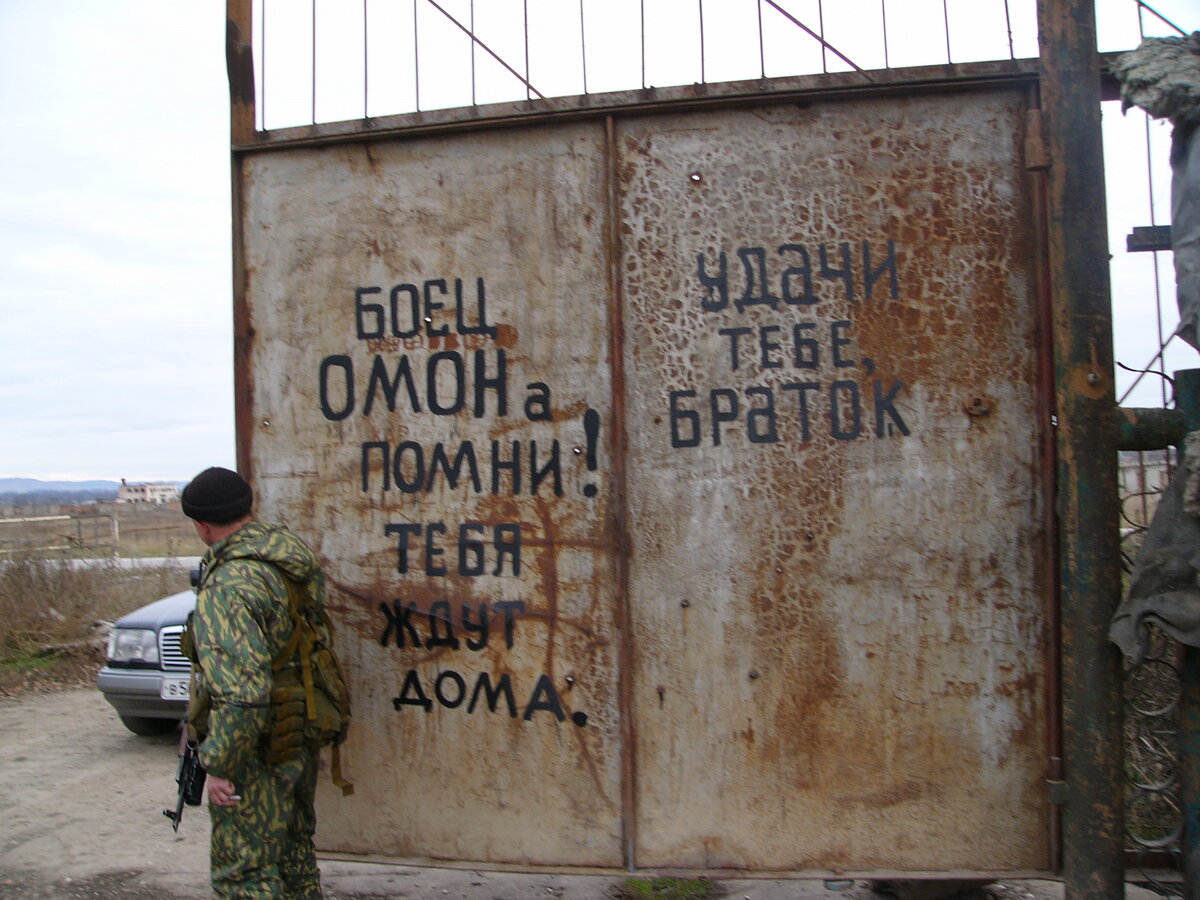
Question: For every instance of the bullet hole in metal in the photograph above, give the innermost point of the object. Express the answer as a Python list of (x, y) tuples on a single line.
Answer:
[(980, 405)]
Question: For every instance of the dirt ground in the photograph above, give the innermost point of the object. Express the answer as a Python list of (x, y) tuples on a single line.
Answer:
[(81, 803)]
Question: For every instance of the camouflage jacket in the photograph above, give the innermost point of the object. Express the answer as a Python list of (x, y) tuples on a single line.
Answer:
[(240, 626)]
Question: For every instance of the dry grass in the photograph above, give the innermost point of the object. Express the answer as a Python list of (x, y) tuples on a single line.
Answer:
[(54, 616), (100, 530)]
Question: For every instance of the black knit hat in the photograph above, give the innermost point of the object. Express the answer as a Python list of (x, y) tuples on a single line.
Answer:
[(217, 495)]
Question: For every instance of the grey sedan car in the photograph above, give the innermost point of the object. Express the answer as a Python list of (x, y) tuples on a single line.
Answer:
[(146, 676)]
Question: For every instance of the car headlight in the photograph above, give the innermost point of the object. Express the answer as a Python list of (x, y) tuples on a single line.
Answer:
[(127, 645)]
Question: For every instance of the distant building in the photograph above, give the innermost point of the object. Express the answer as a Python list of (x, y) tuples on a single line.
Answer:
[(1143, 476), (156, 492)]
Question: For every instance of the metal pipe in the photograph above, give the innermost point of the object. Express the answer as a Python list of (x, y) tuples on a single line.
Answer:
[(1149, 429)]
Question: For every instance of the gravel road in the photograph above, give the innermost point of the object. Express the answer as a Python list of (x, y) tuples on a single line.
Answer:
[(81, 803)]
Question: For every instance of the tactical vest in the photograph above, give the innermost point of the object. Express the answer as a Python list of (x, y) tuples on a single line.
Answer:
[(310, 703)]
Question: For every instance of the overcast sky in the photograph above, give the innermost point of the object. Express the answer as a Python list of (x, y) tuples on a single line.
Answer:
[(115, 347), (115, 233)]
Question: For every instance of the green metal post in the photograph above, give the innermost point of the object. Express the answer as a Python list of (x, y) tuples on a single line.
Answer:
[(1187, 404)]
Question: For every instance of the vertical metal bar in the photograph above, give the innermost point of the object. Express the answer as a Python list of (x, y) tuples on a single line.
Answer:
[(946, 24), (314, 62), (474, 99), (762, 53), (1089, 574), (525, 9), (821, 28), (416, 61), (1012, 53), (239, 65), (365, 67), (1037, 164), (700, 7), (883, 17), (1158, 310), (1187, 401), (239, 58), (263, 63), (642, 8), (583, 46), (619, 511)]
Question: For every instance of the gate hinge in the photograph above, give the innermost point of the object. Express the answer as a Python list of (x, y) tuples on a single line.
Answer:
[(1036, 157), (1056, 791)]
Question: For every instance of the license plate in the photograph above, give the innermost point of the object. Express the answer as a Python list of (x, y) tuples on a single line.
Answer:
[(174, 688)]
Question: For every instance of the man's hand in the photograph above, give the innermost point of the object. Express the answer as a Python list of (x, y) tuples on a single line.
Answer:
[(222, 792)]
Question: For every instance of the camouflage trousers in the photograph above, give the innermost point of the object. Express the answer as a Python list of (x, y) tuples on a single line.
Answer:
[(262, 848)]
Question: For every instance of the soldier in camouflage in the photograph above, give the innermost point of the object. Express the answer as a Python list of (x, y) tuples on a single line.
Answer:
[(262, 814)]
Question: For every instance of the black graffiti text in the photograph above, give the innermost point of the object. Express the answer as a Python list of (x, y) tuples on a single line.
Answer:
[(437, 627), (842, 409), (799, 345), (446, 383), (409, 310), (496, 467), (795, 275), (449, 690), (476, 555)]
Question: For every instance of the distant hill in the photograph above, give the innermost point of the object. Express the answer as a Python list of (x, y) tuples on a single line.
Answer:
[(30, 491), (29, 485)]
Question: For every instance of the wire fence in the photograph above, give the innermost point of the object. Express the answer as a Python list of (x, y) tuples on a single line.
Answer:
[(330, 60)]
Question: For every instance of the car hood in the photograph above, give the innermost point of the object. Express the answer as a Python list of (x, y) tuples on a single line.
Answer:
[(171, 610)]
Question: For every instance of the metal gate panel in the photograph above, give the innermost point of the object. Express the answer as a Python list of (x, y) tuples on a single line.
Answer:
[(429, 365), (834, 496), (824, 394)]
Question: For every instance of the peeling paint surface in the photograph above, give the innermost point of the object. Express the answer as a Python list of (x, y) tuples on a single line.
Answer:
[(839, 661), (814, 326)]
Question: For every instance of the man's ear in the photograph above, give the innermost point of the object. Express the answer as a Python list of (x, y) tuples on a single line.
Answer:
[(204, 530)]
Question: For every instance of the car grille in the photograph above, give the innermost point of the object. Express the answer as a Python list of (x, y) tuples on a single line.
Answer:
[(168, 649)]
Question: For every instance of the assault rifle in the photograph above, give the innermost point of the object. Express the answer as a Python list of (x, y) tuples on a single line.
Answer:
[(190, 778)]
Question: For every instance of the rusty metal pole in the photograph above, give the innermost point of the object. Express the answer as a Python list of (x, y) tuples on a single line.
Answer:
[(1089, 576), (239, 62)]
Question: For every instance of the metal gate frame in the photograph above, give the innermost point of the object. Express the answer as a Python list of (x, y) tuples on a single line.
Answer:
[(1085, 780)]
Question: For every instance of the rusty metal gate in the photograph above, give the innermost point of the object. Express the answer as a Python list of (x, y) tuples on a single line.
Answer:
[(677, 478), (681, 470)]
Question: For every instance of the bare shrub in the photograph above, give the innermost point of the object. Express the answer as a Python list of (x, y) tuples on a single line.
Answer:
[(54, 613)]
